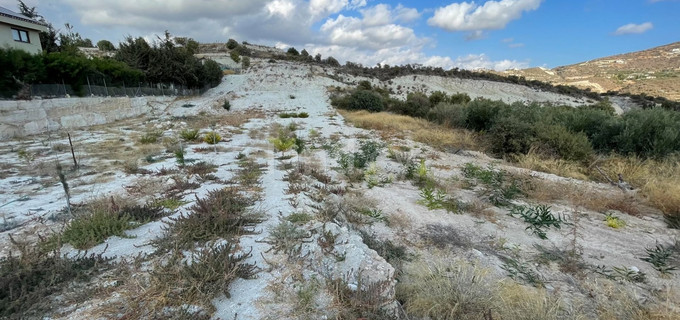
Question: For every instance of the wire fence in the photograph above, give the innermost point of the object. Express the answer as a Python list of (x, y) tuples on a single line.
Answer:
[(47, 91)]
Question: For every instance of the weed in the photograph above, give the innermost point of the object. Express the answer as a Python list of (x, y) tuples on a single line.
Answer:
[(614, 222), (394, 254), (287, 115), (189, 134), (287, 237), (519, 271), (443, 236), (622, 273), (299, 217), (169, 203), (360, 300), (376, 214), (145, 213), (658, 257), (212, 137), (538, 218), (443, 290), (150, 137), (221, 214), (248, 173), (200, 168), (226, 105), (282, 143), (306, 295), (27, 279), (179, 157), (88, 230), (500, 191)]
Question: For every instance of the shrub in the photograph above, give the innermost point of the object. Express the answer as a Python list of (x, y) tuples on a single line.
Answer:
[(650, 133), (564, 144), (189, 134), (481, 114), (232, 44), (510, 135), (452, 115), (221, 214), (235, 56), (88, 230), (365, 100), (29, 278), (150, 137), (245, 62), (226, 105), (212, 137)]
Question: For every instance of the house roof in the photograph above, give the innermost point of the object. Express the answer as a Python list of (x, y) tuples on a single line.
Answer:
[(18, 16)]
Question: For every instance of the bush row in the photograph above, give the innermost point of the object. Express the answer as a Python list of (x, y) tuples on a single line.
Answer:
[(556, 131)]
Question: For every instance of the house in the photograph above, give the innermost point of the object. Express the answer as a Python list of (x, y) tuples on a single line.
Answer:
[(20, 32)]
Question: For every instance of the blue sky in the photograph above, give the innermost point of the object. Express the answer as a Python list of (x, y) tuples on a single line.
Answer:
[(496, 34)]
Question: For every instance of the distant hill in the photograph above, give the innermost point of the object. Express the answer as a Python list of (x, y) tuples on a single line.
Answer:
[(654, 72)]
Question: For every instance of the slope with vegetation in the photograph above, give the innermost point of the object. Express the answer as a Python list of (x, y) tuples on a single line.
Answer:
[(261, 201)]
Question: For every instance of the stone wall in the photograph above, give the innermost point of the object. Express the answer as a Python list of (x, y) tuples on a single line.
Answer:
[(21, 118)]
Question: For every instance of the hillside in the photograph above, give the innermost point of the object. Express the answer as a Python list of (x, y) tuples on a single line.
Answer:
[(361, 216), (654, 72)]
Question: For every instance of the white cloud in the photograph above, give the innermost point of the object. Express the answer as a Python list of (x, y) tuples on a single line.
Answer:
[(632, 28), (482, 61), (406, 15), (492, 15)]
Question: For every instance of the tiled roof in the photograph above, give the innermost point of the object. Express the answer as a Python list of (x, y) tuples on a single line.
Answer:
[(11, 14)]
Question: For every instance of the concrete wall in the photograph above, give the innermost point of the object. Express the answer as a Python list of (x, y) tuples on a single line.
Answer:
[(21, 118), (6, 39)]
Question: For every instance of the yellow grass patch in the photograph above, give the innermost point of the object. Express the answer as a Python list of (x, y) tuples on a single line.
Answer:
[(397, 126)]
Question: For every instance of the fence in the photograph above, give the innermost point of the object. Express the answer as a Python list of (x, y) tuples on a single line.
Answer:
[(64, 90)]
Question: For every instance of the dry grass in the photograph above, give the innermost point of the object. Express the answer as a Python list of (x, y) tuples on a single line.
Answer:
[(461, 290), (394, 126), (534, 161), (581, 196), (658, 181)]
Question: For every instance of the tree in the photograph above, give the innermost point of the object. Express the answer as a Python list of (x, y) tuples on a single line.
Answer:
[(332, 62), (245, 62), (317, 57), (232, 44), (293, 52), (304, 53), (48, 39), (105, 45)]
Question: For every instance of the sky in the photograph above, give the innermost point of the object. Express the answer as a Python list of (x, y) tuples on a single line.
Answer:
[(494, 34)]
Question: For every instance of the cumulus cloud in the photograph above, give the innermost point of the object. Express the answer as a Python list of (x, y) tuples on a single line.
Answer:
[(482, 61), (632, 28), (492, 15)]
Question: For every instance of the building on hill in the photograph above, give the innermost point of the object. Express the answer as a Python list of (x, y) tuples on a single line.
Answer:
[(18, 31)]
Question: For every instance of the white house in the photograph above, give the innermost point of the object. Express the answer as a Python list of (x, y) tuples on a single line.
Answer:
[(20, 32)]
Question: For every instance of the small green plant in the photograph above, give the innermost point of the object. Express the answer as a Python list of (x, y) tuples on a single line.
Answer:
[(150, 137), (299, 217), (226, 105), (25, 156), (659, 257), (189, 134), (432, 198), (212, 137), (614, 222), (519, 271), (179, 157), (169, 203), (376, 214), (622, 273), (538, 218), (287, 237), (282, 143), (291, 96), (88, 230)]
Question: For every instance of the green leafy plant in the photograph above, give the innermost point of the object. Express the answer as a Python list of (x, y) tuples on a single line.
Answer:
[(282, 143), (226, 105), (150, 137), (622, 273), (88, 230), (659, 257), (538, 218), (212, 137), (179, 157), (189, 134), (519, 271), (614, 222)]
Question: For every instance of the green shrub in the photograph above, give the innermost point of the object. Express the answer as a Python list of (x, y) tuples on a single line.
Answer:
[(363, 100), (511, 135), (650, 133), (221, 214), (481, 113), (235, 56), (453, 115), (88, 230), (27, 279), (226, 105), (232, 44), (212, 137), (564, 144), (150, 137), (189, 134)]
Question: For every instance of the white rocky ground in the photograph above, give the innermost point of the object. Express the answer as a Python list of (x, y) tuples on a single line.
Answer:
[(30, 194)]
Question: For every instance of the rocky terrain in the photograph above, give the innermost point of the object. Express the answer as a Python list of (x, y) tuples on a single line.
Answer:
[(654, 72), (355, 224)]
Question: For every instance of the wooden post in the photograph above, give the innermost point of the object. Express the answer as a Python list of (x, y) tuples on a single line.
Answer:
[(105, 87), (88, 85), (75, 163)]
